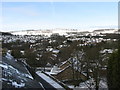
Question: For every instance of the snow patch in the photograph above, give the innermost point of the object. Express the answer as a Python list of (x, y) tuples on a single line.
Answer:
[(14, 69), (4, 66), (3, 79), (8, 56), (29, 76), (55, 70), (91, 84), (17, 85)]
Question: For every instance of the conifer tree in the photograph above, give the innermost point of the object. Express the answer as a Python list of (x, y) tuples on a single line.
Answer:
[(113, 72)]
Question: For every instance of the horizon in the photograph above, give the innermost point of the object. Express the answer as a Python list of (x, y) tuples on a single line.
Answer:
[(78, 30), (51, 15)]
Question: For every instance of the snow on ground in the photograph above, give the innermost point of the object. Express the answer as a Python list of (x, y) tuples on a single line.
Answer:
[(18, 85), (55, 70), (49, 80), (87, 84), (11, 68), (6, 66), (90, 84), (19, 73), (3, 79), (8, 56), (3, 66), (16, 75), (29, 76), (103, 84)]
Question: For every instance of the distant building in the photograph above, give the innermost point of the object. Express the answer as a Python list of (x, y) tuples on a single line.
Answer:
[(109, 51), (55, 51)]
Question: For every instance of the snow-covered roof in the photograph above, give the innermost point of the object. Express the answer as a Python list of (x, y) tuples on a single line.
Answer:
[(107, 51), (55, 51), (54, 70), (50, 80), (64, 62)]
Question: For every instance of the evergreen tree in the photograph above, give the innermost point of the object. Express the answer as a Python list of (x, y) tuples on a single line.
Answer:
[(16, 53), (31, 58), (113, 74)]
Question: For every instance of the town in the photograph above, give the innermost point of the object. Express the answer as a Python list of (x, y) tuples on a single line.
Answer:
[(67, 59)]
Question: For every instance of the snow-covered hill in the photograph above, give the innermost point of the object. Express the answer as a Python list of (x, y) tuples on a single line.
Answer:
[(48, 32), (105, 31)]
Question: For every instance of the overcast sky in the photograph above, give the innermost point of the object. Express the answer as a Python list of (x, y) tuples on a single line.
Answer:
[(42, 15)]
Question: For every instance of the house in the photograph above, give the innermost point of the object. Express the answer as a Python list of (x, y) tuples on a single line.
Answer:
[(109, 51), (55, 51), (66, 72)]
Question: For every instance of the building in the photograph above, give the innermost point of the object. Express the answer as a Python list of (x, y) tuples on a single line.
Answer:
[(66, 72)]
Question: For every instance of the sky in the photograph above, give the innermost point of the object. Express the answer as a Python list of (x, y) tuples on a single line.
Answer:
[(49, 15)]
